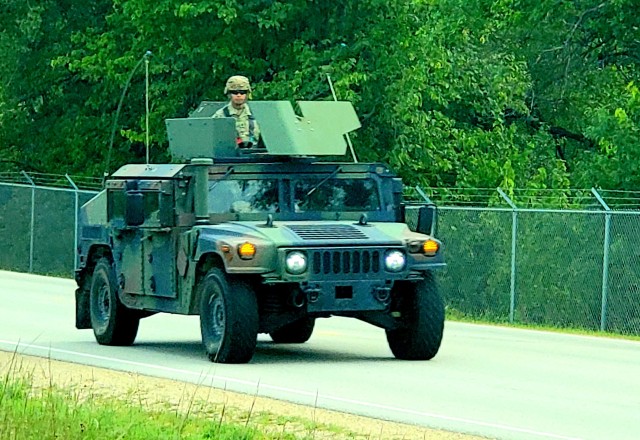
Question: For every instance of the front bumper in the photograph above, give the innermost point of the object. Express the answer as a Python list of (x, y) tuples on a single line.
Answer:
[(348, 279), (345, 296)]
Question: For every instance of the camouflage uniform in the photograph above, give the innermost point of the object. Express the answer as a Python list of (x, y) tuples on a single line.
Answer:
[(244, 120), (247, 128)]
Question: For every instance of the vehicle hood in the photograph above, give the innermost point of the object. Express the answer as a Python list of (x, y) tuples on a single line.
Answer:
[(314, 233)]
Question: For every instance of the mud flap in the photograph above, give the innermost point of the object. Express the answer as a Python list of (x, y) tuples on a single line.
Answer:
[(83, 315)]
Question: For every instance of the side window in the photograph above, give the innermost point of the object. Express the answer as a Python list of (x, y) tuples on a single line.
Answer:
[(151, 207), (243, 196), (115, 204), (154, 204)]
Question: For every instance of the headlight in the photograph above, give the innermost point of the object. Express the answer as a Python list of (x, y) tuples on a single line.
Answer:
[(394, 261), (296, 263)]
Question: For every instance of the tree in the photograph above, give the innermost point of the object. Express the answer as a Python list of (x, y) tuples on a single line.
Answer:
[(583, 61), (43, 125), (510, 93)]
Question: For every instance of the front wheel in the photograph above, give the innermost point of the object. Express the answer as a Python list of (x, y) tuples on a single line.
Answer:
[(296, 332), (112, 322), (228, 318), (421, 320)]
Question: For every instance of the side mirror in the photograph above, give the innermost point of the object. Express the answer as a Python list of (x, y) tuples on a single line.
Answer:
[(427, 220), (396, 194), (397, 188), (134, 208)]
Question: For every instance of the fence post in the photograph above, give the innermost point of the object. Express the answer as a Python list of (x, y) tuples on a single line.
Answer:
[(605, 259), (514, 233), (33, 218), (423, 194), (75, 223)]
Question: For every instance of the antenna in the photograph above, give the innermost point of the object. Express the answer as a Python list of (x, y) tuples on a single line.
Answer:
[(333, 92), (146, 102), (146, 55)]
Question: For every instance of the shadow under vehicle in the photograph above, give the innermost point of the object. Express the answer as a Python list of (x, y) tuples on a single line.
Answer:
[(260, 240)]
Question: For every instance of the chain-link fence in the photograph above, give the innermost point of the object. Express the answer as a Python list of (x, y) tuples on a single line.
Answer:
[(38, 217), (512, 261), (557, 267), (545, 267)]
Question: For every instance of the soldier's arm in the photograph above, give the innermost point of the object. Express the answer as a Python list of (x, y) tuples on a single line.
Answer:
[(256, 131)]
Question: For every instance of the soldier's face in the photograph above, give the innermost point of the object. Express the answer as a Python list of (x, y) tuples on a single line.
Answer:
[(238, 97)]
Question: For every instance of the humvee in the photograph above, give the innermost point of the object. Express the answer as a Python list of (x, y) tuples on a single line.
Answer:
[(265, 239)]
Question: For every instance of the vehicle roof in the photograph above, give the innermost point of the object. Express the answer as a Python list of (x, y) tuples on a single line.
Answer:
[(300, 167), (168, 171), (150, 171)]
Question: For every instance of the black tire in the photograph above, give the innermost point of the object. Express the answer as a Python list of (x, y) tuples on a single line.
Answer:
[(296, 332), (422, 321), (111, 321), (228, 318)]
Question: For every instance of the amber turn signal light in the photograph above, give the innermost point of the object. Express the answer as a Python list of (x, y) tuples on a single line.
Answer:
[(430, 247), (246, 251)]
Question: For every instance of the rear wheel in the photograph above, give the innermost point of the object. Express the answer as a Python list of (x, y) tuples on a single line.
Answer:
[(228, 318), (111, 321), (422, 321), (296, 332)]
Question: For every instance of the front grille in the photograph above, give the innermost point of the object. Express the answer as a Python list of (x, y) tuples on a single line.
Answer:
[(363, 261), (327, 232)]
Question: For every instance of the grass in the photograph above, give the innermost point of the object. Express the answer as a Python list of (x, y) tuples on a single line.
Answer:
[(48, 412), (455, 315), (55, 414), (33, 406)]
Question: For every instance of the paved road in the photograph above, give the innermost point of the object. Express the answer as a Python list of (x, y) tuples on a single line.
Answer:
[(503, 383)]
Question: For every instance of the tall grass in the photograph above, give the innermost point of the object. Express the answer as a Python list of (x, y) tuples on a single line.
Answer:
[(36, 404), (53, 413), (57, 414)]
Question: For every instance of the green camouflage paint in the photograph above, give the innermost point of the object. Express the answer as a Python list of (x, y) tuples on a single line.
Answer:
[(164, 227)]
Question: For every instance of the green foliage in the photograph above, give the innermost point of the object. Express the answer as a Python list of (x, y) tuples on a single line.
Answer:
[(583, 59), (623, 298), (477, 278), (15, 231), (561, 285), (452, 93), (510, 93), (558, 273)]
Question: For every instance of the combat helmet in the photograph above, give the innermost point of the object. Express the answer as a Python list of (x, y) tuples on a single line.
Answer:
[(237, 82)]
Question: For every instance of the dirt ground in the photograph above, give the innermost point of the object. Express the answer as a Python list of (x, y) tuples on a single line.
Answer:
[(163, 394)]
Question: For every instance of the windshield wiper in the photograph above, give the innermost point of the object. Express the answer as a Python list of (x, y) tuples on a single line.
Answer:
[(322, 182), (215, 182)]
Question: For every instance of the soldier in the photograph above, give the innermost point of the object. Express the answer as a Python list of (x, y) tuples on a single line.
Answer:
[(238, 89)]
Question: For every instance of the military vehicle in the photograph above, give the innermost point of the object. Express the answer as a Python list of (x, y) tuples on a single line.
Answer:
[(257, 240)]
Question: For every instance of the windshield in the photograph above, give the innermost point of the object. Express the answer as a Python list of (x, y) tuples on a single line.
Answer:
[(341, 195), (243, 196)]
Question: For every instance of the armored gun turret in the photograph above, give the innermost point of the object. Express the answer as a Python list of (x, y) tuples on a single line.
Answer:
[(260, 240), (320, 132)]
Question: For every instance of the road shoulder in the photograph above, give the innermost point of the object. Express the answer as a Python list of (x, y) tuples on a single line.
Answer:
[(201, 400)]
